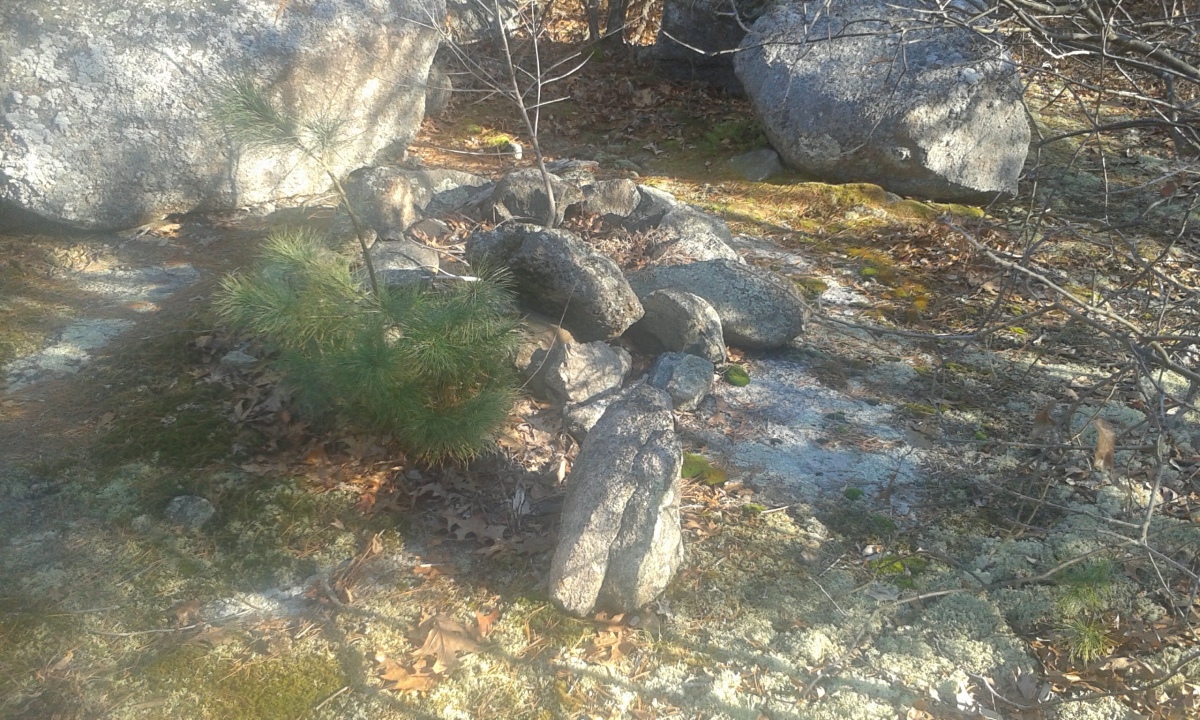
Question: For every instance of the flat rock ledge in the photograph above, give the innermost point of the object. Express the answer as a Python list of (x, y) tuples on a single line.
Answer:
[(620, 541)]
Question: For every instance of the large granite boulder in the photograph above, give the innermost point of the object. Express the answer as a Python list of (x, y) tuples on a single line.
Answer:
[(561, 276), (106, 106), (862, 91), (619, 538), (758, 309)]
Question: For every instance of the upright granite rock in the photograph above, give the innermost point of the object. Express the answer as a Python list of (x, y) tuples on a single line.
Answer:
[(758, 309), (382, 199), (560, 275), (860, 90), (106, 105), (619, 538)]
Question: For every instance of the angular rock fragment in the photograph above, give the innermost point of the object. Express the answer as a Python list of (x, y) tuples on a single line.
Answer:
[(619, 539)]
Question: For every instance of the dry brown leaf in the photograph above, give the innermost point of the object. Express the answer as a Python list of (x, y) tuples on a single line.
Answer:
[(397, 677), (484, 622), (1106, 443), (444, 639)]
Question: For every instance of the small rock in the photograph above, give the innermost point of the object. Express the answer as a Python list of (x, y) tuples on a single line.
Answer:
[(758, 309), (689, 235), (686, 378), (678, 321), (562, 277), (237, 358), (620, 541), (757, 165), (189, 511), (572, 373), (521, 195)]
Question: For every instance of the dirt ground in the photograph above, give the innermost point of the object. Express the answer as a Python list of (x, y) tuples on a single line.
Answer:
[(890, 535)]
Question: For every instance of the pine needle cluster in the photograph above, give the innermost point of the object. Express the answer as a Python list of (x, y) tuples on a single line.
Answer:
[(430, 366)]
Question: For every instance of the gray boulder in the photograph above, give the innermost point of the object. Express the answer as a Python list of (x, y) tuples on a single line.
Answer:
[(611, 198), (521, 195), (561, 276), (678, 321), (686, 235), (571, 373), (686, 378), (882, 94), (619, 537), (758, 309), (106, 109)]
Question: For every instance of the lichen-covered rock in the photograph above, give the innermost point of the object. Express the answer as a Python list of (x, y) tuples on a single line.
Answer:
[(577, 372), (521, 195), (562, 277), (686, 378), (758, 309), (106, 113), (678, 321), (382, 200), (823, 80), (686, 235), (619, 538)]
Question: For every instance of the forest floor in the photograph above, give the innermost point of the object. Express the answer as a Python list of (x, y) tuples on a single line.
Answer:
[(892, 528)]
